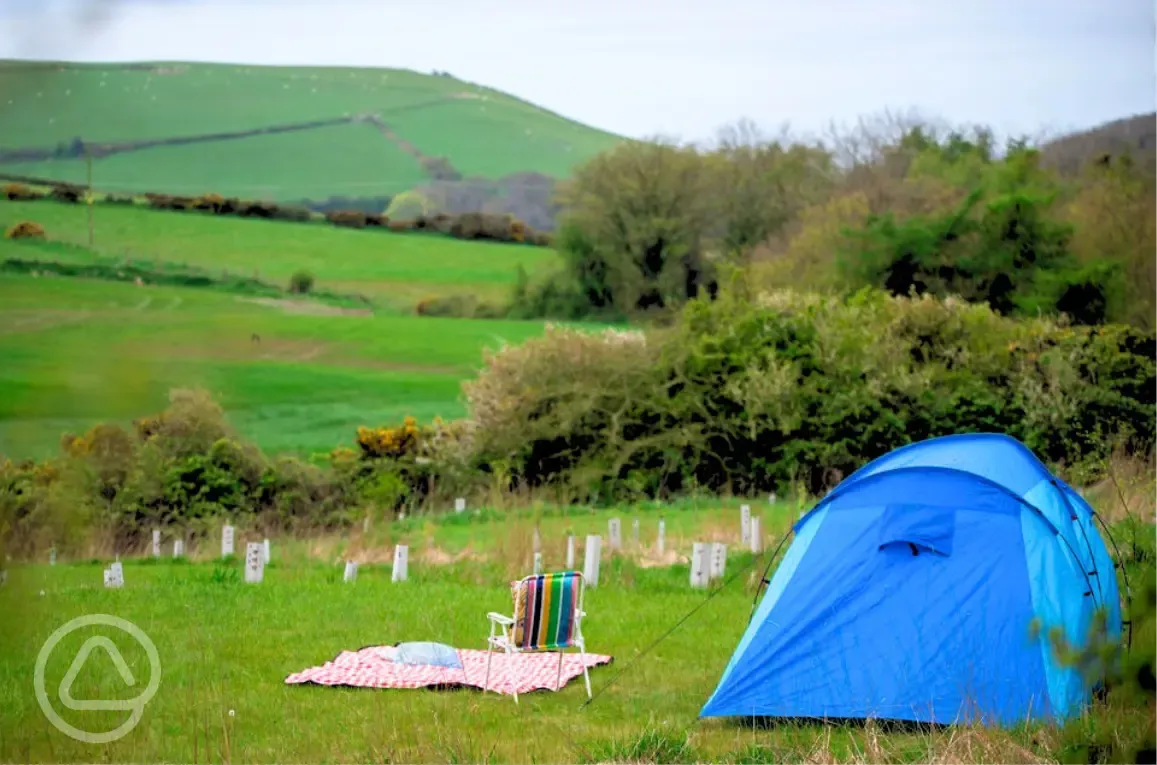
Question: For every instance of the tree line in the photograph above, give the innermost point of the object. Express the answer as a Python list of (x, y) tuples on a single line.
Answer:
[(906, 207)]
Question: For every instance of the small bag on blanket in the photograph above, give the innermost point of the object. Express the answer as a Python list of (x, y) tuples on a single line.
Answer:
[(431, 654)]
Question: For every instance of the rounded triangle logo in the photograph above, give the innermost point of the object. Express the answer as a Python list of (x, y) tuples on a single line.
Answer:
[(134, 706)]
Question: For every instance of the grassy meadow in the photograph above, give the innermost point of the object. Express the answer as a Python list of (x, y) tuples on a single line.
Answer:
[(81, 351), (357, 159), (225, 648), (394, 269), (481, 131)]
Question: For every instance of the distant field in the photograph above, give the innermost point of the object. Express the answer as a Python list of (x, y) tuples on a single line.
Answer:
[(262, 167), (481, 131), (394, 269), (76, 352)]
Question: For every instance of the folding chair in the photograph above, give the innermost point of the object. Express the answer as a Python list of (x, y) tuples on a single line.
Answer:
[(548, 612)]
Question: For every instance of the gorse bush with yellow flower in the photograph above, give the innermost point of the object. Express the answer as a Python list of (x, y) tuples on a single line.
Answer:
[(187, 467)]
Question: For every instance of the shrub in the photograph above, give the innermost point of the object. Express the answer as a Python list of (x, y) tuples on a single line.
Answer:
[(66, 192), (250, 209), (456, 306), (518, 230), (499, 228), (301, 283), (555, 295), (347, 218), (407, 462), (399, 226), (119, 199), (209, 203), (18, 192), (376, 220), (441, 223), (43, 504), (170, 202), (440, 169), (400, 441), (471, 226), (293, 213), (547, 408), (409, 205), (305, 495), (25, 230)]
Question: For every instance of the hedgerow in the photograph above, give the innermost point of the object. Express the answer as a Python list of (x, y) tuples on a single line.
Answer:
[(761, 392), (750, 392)]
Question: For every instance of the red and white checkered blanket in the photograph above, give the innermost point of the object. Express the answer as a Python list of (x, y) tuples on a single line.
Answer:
[(374, 667)]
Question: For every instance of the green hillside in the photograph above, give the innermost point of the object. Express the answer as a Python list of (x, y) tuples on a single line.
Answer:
[(80, 351), (356, 162), (77, 352), (378, 126), (394, 269)]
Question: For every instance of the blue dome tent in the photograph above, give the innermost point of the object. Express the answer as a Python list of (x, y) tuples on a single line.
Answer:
[(909, 593)]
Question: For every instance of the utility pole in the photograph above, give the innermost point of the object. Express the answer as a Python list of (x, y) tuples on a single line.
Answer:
[(88, 198)]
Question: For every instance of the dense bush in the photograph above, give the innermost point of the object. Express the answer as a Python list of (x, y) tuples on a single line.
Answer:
[(403, 465), (301, 283), (347, 218), (66, 192), (500, 228), (255, 209), (459, 307), (292, 213), (440, 169), (1004, 248), (18, 192), (365, 204), (26, 229), (213, 203), (557, 294), (185, 466), (756, 392), (169, 202)]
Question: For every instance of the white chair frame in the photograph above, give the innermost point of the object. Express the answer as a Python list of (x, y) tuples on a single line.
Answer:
[(502, 639)]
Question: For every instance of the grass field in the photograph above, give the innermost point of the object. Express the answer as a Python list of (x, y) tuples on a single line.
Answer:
[(395, 269), (225, 647), (481, 131), (356, 159), (78, 351)]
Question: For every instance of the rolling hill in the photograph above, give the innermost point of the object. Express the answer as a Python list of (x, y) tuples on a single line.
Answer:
[(395, 270), (276, 133), (1135, 136), (296, 375)]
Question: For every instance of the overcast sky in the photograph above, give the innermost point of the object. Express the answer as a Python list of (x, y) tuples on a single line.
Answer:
[(678, 67)]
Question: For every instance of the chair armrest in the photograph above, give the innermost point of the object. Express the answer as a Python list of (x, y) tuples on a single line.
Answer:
[(500, 618)]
